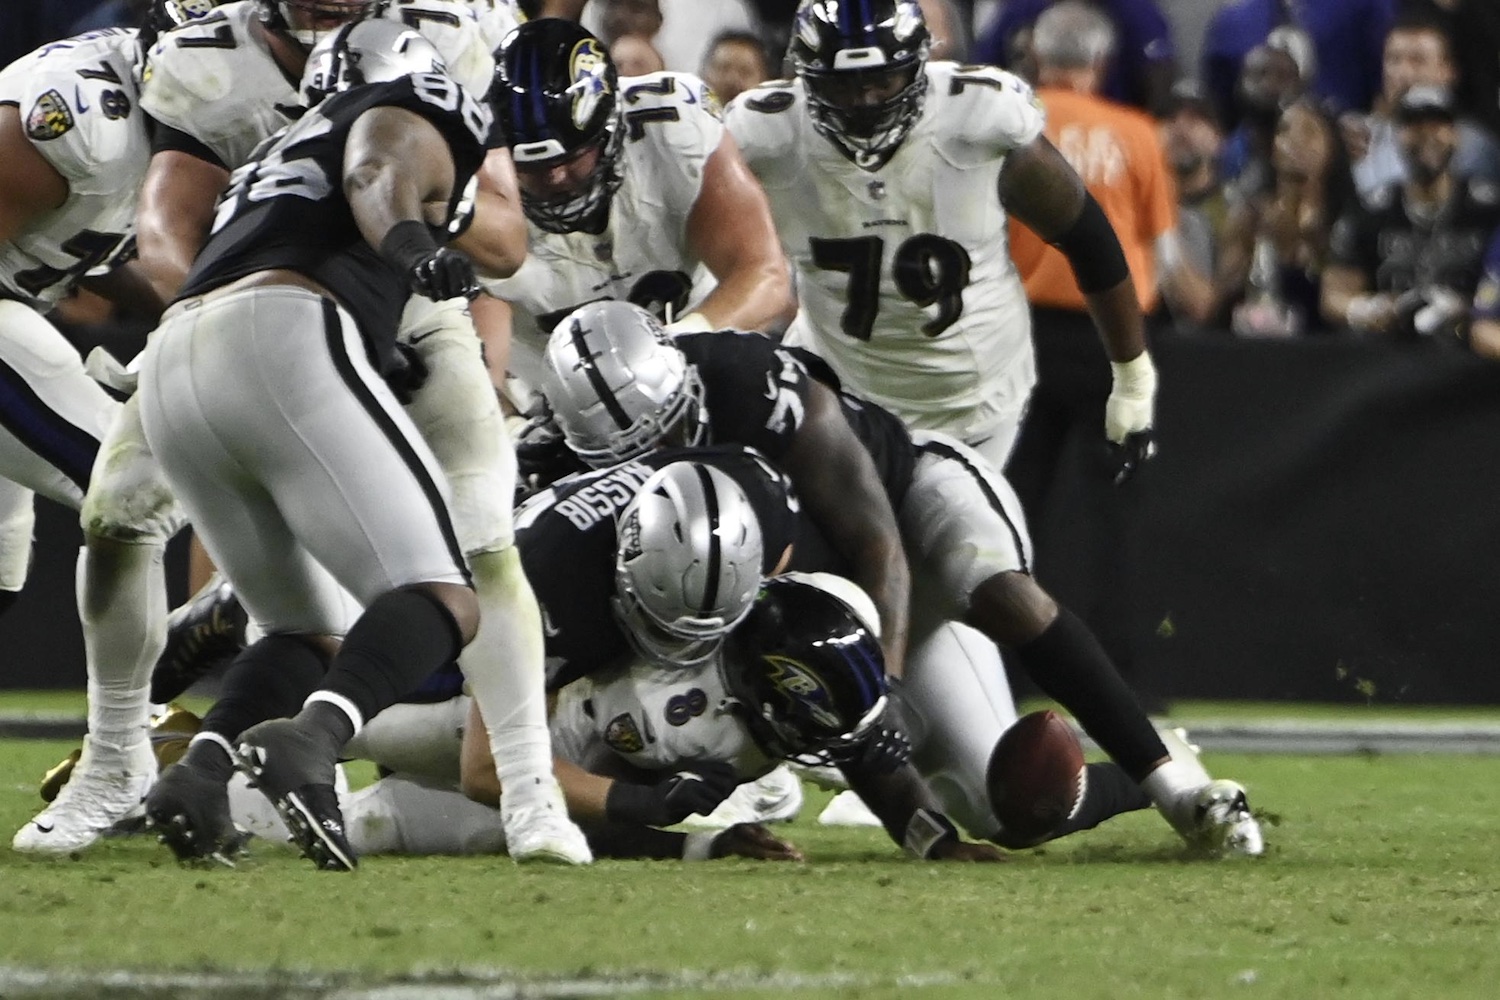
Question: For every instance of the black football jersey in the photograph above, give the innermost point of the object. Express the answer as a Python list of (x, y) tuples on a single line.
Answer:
[(1398, 252), (286, 208), (566, 537), (755, 392)]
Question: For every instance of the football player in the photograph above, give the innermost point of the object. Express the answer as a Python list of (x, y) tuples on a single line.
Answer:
[(74, 145), (216, 90), (262, 398), (614, 373), (629, 186), (890, 177)]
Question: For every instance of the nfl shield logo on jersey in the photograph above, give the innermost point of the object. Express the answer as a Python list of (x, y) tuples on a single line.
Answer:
[(49, 117)]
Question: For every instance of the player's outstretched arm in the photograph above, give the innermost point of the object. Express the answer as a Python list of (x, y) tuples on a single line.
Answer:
[(129, 287), (32, 187), (840, 487), (174, 215), (911, 814), (731, 231)]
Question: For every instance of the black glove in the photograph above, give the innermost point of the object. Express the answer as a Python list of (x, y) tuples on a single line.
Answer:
[(698, 789), (1122, 460), (433, 272), (407, 373)]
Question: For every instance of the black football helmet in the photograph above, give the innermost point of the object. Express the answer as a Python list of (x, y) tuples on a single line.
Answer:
[(837, 47), (556, 93), (806, 672)]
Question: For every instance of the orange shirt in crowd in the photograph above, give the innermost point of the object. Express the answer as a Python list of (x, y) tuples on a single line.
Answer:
[(1116, 151)]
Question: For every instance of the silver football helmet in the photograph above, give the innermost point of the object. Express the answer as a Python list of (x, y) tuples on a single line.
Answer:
[(366, 52), (687, 563), (619, 386)]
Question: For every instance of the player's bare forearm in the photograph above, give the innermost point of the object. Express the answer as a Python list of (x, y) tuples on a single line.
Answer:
[(496, 241), (841, 489), (584, 791), (1484, 338), (893, 797), (129, 288), (758, 297), (174, 215), (32, 186), (395, 163), (1117, 316), (731, 230)]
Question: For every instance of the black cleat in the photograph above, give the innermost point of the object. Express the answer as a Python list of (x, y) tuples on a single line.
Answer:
[(189, 811), (201, 634), (292, 769)]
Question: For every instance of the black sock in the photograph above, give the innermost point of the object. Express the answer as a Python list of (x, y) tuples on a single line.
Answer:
[(210, 758), (403, 636), (268, 680), (1070, 666), (7, 598), (1110, 792)]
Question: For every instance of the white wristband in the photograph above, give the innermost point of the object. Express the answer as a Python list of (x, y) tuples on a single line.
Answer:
[(699, 845), (1136, 378)]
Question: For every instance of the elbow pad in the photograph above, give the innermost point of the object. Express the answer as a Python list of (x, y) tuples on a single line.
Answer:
[(1093, 249)]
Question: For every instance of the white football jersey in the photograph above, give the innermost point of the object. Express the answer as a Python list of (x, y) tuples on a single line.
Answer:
[(655, 719), (672, 128), (215, 80), (904, 277), (78, 104)]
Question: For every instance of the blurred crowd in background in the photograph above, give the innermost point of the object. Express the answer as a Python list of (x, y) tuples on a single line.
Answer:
[(1334, 164)]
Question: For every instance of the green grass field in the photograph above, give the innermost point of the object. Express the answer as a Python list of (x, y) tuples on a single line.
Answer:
[(1381, 880)]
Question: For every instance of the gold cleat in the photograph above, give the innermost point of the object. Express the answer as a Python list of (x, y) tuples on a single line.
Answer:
[(170, 734)]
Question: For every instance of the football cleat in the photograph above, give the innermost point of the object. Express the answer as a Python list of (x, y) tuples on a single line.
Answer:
[(201, 634), (291, 769), (170, 732), (189, 811), (107, 785), (1222, 822), (541, 831), (774, 797)]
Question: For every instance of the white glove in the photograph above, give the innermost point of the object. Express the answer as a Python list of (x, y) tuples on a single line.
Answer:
[(1131, 407)]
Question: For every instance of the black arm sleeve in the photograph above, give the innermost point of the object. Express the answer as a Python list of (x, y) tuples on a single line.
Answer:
[(165, 137)]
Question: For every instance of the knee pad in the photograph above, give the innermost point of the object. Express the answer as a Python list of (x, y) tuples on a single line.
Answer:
[(16, 526), (128, 499)]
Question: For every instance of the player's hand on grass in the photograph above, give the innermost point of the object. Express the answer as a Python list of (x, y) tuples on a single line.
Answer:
[(960, 850), (752, 840)]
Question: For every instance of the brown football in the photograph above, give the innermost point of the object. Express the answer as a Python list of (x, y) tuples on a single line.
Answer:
[(1035, 776)]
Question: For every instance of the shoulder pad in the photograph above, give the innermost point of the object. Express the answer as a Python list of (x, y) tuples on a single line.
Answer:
[(759, 121), (985, 106)]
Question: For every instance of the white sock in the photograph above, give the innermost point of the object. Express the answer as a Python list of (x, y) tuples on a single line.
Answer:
[(122, 602), (401, 815), (505, 673)]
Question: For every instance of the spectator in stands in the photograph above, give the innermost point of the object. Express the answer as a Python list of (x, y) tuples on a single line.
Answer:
[(1193, 142), (1408, 262), (1276, 244), (946, 25), (1145, 60), (1275, 73), (736, 61), (1116, 151), (1347, 36), (634, 55), (681, 30), (1417, 53), (1484, 332), (1473, 28)]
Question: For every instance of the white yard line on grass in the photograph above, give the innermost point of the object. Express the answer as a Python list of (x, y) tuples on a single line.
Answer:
[(471, 985)]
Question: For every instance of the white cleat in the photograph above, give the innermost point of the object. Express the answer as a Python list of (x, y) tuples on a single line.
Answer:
[(1222, 822), (540, 831), (848, 809), (108, 785), (774, 797)]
